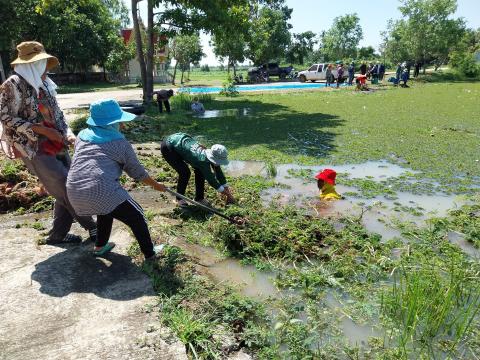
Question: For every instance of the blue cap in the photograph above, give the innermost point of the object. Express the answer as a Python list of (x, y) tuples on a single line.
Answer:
[(107, 112)]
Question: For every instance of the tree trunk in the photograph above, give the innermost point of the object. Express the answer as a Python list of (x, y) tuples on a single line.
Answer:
[(139, 46), (174, 73), (150, 48), (2, 71), (181, 80), (104, 73), (234, 70)]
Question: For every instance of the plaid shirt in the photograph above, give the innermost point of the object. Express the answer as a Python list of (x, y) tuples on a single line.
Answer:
[(93, 184)]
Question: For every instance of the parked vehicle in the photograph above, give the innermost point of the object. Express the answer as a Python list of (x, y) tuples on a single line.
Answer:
[(319, 72), (262, 73)]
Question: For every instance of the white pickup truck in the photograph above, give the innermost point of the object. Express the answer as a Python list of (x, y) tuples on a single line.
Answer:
[(319, 72)]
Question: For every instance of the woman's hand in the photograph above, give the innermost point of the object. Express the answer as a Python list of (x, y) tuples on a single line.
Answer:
[(49, 133), (71, 139), (229, 199)]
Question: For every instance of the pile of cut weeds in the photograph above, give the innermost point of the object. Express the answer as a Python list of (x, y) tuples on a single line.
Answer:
[(19, 190)]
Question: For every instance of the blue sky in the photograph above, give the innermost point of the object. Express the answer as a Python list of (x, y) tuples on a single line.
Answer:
[(317, 15)]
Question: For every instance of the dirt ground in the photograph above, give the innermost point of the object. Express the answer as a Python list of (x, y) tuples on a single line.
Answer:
[(63, 303)]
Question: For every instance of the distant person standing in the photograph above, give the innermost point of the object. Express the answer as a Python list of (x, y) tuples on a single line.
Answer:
[(340, 72), (329, 74), (351, 73), (416, 70), (370, 71), (163, 97), (405, 74), (381, 71), (363, 68), (398, 74), (374, 73)]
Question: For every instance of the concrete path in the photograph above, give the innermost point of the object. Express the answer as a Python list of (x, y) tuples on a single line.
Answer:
[(63, 303), (69, 101)]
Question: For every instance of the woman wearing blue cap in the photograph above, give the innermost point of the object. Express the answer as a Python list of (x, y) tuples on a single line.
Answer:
[(101, 154)]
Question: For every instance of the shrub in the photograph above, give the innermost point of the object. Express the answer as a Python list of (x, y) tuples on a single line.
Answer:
[(229, 88), (465, 63), (205, 68)]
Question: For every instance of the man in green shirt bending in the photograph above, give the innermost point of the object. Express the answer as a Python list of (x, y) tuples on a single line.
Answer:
[(180, 149)]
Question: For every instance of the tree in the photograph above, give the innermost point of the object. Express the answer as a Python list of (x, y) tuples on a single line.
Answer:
[(427, 34), (301, 47), (366, 53), (79, 33), (139, 47), (232, 48), (341, 40), (119, 56), (269, 35), (186, 49), (462, 57)]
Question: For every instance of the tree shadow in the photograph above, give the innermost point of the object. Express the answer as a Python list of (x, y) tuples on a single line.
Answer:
[(274, 126), (76, 270)]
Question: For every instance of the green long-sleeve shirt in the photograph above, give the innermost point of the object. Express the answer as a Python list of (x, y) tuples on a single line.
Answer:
[(194, 154)]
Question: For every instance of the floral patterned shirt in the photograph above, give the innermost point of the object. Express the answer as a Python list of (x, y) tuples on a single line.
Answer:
[(19, 110)]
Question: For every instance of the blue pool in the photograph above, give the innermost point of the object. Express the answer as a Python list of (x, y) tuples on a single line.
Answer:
[(241, 88)]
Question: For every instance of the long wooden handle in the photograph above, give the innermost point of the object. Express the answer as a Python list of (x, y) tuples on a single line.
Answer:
[(205, 207)]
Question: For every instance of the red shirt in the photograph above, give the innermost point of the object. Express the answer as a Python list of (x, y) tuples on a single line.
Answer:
[(48, 146)]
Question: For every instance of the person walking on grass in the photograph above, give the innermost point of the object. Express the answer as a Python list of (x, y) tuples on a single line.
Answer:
[(163, 97), (34, 130), (181, 150), (101, 155)]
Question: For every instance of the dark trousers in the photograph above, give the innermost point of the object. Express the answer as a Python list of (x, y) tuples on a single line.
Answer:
[(180, 166), (52, 171), (350, 78), (160, 106), (131, 214)]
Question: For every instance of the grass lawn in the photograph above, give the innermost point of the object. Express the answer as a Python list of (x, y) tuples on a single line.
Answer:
[(431, 127)]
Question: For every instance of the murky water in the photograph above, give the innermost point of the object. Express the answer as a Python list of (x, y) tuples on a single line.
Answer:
[(356, 334), (459, 240), (376, 214), (208, 114)]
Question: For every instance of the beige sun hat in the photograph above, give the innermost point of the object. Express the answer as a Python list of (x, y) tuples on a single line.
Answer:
[(31, 51), (217, 154)]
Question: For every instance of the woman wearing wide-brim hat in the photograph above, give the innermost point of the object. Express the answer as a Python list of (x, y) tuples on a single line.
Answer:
[(101, 155), (33, 129)]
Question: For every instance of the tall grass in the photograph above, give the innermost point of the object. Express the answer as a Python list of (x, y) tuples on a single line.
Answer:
[(429, 304), (271, 169), (184, 100)]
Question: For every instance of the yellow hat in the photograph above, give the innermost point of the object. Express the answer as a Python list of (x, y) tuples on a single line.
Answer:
[(31, 51)]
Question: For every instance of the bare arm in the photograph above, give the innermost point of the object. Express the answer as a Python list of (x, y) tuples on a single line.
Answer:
[(154, 184)]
